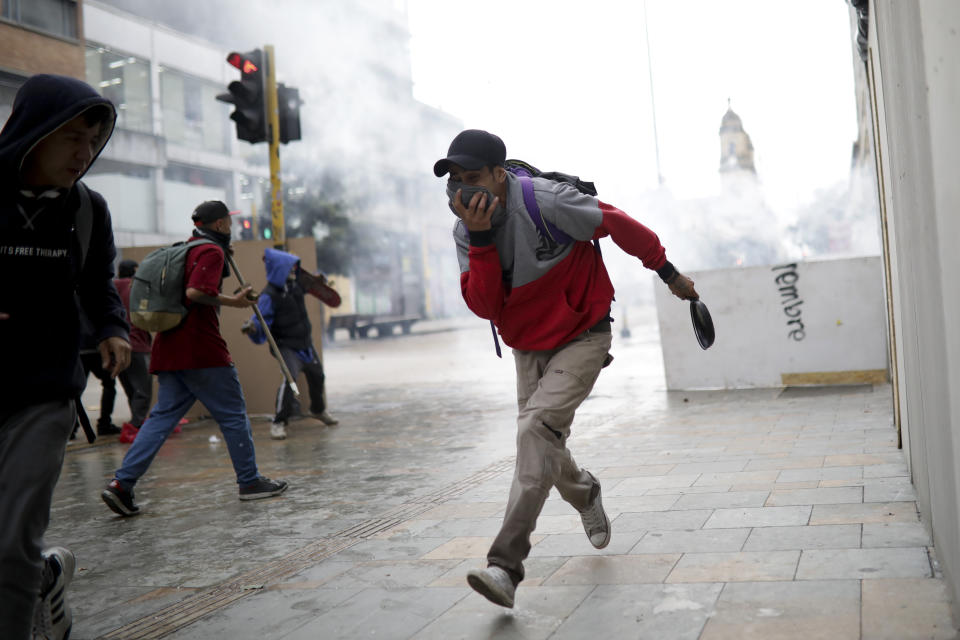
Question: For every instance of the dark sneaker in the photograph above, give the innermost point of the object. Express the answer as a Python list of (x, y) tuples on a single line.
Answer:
[(494, 584), (325, 418), (262, 488), (594, 518), (119, 499), (52, 617), (107, 429)]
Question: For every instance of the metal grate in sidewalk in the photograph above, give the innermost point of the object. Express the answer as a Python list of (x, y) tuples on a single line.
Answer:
[(177, 616)]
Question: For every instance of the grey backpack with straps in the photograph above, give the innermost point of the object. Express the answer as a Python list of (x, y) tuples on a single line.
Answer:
[(156, 292)]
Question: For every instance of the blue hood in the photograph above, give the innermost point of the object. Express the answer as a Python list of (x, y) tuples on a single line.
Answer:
[(279, 263), (43, 104)]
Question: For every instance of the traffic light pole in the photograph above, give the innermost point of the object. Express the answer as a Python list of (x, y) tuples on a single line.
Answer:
[(273, 137)]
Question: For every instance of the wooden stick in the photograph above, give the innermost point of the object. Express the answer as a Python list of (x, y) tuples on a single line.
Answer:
[(266, 329)]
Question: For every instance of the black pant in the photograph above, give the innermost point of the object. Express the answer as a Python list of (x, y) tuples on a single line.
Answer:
[(314, 373), (138, 385), (93, 363)]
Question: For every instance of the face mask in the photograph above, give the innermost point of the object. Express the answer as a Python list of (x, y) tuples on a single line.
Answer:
[(466, 194), (223, 239)]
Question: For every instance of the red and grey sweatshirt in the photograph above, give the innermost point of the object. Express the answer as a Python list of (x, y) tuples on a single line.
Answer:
[(538, 293)]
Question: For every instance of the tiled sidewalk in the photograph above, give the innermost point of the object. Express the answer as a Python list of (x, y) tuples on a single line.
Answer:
[(736, 515)]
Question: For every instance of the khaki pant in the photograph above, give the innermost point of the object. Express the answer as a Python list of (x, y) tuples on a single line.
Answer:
[(551, 385)]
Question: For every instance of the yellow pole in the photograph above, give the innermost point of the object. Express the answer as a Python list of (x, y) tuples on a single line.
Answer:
[(253, 217), (273, 130)]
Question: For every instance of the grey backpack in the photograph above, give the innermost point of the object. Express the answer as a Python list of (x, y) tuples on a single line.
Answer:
[(156, 292)]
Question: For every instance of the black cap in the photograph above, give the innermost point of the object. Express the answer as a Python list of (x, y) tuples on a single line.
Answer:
[(127, 268), (210, 211), (472, 149)]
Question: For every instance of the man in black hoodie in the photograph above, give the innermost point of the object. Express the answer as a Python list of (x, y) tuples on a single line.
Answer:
[(56, 256)]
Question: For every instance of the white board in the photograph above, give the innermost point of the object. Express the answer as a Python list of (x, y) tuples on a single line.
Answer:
[(800, 318)]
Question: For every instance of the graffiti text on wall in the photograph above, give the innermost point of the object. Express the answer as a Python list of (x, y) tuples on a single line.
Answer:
[(786, 282)]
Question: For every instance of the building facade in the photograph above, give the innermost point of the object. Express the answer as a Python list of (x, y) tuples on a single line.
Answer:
[(38, 36), (174, 145), (360, 123), (163, 64), (911, 76)]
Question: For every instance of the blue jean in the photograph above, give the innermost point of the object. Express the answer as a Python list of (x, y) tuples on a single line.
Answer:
[(218, 388)]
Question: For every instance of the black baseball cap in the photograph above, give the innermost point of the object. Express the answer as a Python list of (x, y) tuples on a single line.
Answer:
[(127, 268), (472, 149), (211, 210)]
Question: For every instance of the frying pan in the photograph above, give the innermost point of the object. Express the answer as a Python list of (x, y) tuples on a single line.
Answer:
[(702, 323)]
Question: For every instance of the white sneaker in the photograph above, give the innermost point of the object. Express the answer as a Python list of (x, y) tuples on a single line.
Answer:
[(325, 418), (595, 520), (52, 617), (494, 584), (278, 431)]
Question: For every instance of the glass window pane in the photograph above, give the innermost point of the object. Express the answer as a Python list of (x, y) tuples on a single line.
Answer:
[(192, 116), (171, 91), (129, 190), (214, 120), (55, 16), (125, 81), (9, 84), (184, 187)]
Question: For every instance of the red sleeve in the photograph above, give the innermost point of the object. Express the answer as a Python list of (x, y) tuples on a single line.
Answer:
[(482, 285), (204, 269), (631, 236), (123, 288)]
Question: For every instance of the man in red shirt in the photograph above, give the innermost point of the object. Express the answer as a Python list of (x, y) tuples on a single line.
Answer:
[(192, 363)]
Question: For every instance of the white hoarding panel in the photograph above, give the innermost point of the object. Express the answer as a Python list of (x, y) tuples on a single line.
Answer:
[(797, 323)]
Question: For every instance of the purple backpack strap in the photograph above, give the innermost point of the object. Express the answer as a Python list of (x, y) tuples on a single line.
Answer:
[(546, 229)]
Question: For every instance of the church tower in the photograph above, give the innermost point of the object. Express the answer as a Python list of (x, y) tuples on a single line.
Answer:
[(736, 149)]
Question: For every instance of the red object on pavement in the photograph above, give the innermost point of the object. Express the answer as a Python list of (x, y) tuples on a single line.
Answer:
[(128, 432)]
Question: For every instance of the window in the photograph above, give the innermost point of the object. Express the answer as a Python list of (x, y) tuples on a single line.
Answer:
[(125, 81), (58, 17), (9, 84), (130, 190), (184, 187), (196, 176), (192, 116)]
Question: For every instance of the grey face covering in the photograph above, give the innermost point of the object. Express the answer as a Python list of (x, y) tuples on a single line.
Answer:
[(466, 194)]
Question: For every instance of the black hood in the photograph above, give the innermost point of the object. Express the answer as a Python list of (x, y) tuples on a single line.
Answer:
[(43, 104)]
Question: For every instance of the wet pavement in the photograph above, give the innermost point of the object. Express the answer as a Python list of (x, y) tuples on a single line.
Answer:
[(749, 514)]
